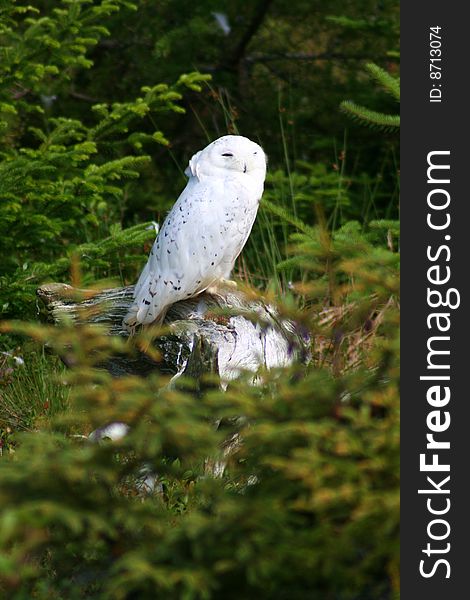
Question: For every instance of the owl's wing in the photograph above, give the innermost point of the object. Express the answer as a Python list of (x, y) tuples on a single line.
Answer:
[(196, 246)]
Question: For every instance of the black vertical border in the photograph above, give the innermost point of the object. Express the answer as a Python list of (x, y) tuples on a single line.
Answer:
[(426, 127)]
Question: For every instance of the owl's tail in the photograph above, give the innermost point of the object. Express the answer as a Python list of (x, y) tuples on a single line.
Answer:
[(143, 312), (130, 320)]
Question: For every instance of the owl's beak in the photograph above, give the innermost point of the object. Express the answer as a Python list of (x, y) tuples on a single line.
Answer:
[(244, 168)]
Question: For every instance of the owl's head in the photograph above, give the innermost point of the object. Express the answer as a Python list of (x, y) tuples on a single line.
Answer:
[(230, 153)]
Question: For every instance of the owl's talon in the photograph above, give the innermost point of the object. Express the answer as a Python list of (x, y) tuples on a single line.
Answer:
[(219, 287), (229, 283)]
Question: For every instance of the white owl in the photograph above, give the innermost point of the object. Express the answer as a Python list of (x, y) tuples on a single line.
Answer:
[(205, 230)]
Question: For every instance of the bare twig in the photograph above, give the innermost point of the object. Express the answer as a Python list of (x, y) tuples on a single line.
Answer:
[(303, 56)]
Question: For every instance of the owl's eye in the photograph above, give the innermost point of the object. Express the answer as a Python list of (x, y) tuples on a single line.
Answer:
[(227, 154)]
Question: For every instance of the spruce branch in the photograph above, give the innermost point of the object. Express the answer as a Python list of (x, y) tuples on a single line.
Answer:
[(388, 82), (370, 117)]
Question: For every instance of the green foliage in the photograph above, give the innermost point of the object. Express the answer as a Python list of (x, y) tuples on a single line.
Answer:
[(65, 180), (371, 117), (31, 392), (308, 504), (292, 201), (389, 83)]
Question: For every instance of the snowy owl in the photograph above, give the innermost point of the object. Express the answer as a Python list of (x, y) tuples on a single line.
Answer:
[(205, 230)]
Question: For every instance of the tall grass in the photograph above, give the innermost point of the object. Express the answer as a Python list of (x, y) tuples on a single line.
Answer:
[(32, 391)]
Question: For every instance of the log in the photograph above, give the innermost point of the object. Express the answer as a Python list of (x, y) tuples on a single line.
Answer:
[(200, 339)]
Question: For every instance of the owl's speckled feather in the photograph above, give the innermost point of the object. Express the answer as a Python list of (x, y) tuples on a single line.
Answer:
[(205, 230)]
